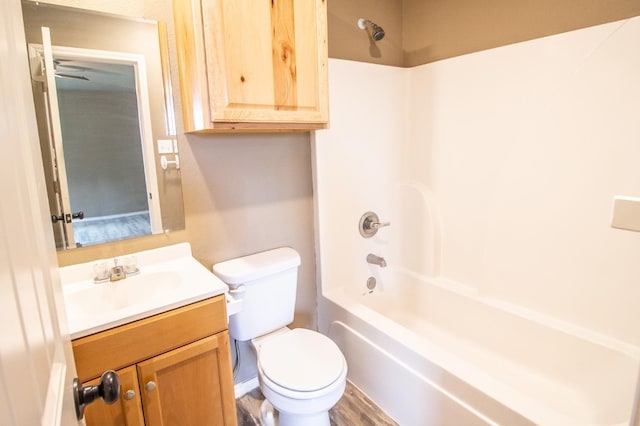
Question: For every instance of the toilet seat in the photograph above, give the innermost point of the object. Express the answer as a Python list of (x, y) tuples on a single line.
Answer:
[(268, 387), (301, 361)]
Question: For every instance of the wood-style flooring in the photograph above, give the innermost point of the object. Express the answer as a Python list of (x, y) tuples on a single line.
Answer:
[(97, 231), (354, 408)]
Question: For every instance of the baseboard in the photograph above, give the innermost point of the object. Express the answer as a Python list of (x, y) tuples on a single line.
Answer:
[(245, 387)]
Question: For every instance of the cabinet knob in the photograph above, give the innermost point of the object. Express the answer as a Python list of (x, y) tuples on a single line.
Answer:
[(151, 385), (128, 395)]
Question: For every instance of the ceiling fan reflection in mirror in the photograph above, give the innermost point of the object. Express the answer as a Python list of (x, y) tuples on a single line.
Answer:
[(59, 64)]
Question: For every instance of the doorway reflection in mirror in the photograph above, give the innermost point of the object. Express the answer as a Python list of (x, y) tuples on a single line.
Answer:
[(112, 99)]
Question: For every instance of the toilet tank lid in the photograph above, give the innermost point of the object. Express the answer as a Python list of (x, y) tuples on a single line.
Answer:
[(248, 268)]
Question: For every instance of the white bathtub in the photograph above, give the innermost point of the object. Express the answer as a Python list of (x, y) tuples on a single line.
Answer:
[(429, 352)]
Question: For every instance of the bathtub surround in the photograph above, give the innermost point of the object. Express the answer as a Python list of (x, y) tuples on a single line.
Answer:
[(502, 165), (519, 152)]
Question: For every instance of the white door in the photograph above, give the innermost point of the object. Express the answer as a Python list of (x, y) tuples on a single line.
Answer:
[(55, 136), (36, 362)]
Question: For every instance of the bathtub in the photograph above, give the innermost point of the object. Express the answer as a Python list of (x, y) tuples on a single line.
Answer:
[(431, 352)]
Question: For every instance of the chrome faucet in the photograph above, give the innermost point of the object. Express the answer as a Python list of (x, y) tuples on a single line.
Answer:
[(376, 260), (117, 272)]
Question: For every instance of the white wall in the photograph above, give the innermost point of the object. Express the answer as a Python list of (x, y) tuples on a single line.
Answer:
[(103, 151), (523, 148)]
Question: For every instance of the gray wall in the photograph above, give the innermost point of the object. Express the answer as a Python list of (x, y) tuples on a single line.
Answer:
[(103, 152), (423, 31)]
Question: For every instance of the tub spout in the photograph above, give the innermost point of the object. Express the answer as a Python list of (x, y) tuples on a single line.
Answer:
[(376, 260)]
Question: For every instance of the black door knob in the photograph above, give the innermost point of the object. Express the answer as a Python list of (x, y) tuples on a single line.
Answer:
[(108, 389)]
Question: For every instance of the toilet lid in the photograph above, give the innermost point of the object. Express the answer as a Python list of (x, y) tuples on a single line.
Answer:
[(301, 360)]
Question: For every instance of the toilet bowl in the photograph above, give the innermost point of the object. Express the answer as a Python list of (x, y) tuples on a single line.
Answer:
[(301, 372)]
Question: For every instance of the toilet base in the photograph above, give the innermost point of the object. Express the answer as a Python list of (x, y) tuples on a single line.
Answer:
[(318, 419), (269, 416)]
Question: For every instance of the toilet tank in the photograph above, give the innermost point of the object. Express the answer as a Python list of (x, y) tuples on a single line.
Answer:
[(267, 283)]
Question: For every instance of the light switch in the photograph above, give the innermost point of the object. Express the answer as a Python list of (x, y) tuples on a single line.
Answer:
[(626, 213), (165, 146)]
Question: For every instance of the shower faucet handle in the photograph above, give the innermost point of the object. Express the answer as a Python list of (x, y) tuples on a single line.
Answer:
[(376, 225), (369, 224)]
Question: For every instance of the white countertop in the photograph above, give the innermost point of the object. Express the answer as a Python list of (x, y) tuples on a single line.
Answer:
[(169, 278)]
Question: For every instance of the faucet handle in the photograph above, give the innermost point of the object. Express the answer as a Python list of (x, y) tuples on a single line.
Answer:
[(130, 264), (101, 272), (377, 225), (369, 224)]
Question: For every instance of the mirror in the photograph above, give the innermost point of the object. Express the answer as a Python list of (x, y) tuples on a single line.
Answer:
[(102, 93)]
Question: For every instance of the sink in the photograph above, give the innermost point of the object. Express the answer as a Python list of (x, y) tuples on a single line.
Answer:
[(131, 291), (169, 278)]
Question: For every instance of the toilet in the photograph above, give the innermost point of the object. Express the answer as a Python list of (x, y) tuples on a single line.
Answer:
[(301, 372)]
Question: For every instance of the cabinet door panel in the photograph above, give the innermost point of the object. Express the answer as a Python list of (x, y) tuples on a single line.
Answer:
[(191, 385), (271, 55), (125, 411), (260, 64), (247, 54), (309, 74)]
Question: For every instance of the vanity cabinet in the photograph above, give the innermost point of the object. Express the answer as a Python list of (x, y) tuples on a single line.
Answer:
[(174, 368), (126, 411), (252, 65)]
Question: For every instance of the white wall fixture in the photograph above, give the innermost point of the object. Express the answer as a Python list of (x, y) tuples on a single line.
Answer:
[(626, 213), (165, 162), (165, 146)]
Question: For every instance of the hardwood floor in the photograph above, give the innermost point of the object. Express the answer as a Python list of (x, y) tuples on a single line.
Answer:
[(354, 408), (91, 232)]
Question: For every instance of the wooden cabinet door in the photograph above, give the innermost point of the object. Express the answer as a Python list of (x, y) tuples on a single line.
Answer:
[(126, 411), (191, 385), (245, 64)]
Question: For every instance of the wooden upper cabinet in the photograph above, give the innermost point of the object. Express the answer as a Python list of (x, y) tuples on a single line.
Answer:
[(252, 64)]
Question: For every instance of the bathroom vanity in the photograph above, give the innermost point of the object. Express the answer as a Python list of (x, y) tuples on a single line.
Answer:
[(164, 330), (174, 368)]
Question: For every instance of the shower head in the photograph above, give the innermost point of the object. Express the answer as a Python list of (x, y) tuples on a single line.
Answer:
[(377, 33)]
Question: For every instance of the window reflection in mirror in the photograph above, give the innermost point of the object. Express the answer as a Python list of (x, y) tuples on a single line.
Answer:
[(100, 118)]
